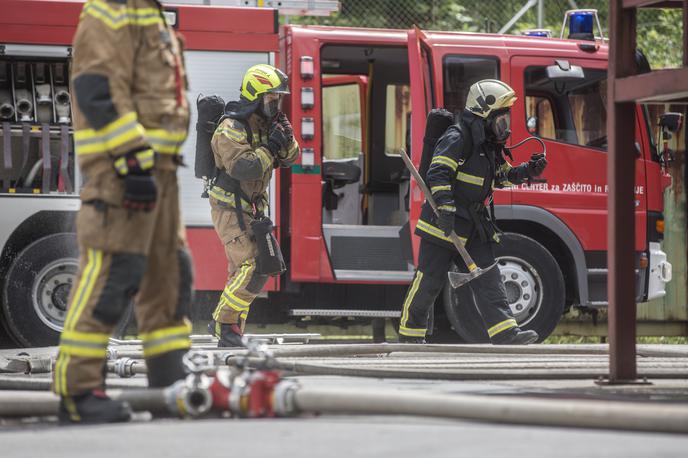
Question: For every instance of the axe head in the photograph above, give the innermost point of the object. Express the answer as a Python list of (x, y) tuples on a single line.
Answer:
[(458, 279)]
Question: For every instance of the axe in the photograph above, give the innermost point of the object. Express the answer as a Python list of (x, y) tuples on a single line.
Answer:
[(456, 279)]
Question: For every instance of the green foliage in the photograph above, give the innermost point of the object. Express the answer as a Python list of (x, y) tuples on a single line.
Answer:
[(659, 30)]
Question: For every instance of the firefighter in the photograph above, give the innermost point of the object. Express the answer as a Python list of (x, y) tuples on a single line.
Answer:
[(131, 117), (467, 161), (252, 139)]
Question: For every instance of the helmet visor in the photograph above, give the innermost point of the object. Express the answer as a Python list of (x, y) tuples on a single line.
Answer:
[(501, 126), (272, 104)]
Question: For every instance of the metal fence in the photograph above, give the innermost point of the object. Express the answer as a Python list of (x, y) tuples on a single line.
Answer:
[(659, 31)]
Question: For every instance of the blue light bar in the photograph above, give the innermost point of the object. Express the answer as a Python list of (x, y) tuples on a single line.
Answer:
[(580, 23), (544, 33)]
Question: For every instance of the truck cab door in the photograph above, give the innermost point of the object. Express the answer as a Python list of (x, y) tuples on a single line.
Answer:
[(422, 100)]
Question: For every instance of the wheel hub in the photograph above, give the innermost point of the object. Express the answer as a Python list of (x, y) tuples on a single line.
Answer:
[(51, 291), (523, 288)]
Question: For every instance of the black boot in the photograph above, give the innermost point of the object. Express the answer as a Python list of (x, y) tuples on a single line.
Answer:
[(229, 335), (165, 369), (92, 407), (518, 337), (411, 340)]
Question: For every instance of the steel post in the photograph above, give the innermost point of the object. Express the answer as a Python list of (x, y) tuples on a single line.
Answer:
[(621, 200)]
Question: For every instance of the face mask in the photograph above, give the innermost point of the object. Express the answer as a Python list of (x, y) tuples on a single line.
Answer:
[(270, 107), (499, 126)]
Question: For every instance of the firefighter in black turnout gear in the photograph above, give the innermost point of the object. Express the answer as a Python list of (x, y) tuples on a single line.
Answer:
[(466, 164)]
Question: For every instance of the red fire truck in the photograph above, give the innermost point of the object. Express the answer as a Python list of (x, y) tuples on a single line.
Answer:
[(345, 213)]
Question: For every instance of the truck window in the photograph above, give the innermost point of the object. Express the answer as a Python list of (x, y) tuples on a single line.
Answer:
[(397, 110), (341, 122), (573, 113), (460, 72)]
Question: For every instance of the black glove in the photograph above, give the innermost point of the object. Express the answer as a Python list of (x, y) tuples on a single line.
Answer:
[(445, 221), (135, 167), (536, 165), (278, 140), (286, 126)]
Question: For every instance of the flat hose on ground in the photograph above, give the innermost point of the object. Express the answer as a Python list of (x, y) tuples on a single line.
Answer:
[(527, 411)]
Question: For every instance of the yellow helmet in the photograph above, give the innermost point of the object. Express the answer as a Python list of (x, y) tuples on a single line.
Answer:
[(262, 79), (487, 96)]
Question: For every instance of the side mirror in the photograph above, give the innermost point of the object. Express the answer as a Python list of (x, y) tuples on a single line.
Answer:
[(564, 72), (532, 125), (671, 122)]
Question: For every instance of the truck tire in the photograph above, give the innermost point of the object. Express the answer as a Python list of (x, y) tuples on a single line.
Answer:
[(36, 289), (534, 285)]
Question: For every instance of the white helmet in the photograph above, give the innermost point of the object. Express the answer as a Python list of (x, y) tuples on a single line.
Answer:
[(487, 96)]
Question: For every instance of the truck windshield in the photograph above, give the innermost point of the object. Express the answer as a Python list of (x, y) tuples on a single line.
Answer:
[(569, 112)]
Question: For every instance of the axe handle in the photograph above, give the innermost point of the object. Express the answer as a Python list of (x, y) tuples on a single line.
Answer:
[(428, 196)]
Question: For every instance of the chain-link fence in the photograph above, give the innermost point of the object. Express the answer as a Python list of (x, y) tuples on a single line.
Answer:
[(659, 31)]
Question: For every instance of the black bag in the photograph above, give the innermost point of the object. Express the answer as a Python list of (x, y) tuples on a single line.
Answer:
[(437, 123), (269, 260), (210, 110)]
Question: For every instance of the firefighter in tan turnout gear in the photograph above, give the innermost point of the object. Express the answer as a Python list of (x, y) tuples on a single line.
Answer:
[(467, 163), (131, 117), (252, 138)]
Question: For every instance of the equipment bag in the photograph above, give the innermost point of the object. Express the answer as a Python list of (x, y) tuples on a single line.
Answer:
[(210, 110), (269, 260)]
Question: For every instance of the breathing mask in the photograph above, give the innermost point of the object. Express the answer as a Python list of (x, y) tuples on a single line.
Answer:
[(498, 126), (271, 105)]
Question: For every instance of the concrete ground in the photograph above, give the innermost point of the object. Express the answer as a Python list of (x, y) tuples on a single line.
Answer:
[(395, 436)]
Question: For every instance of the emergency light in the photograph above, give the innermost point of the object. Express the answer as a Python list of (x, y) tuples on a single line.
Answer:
[(307, 128), (544, 33), (582, 24), (307, 68), (307, 157), (307, 98)]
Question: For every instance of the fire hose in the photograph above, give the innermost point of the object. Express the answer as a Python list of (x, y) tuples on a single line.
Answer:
[(256, 391)]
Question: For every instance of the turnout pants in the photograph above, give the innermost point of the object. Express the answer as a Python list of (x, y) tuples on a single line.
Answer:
[(490, 296), (127, 254), (243, 283)]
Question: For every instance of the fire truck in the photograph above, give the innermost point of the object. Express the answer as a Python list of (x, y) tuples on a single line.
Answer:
[(345, 213)]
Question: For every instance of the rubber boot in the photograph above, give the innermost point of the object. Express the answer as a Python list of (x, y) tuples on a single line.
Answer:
[(229, 335), (411, 340), (519, 337), (165, 369), (92, 407)]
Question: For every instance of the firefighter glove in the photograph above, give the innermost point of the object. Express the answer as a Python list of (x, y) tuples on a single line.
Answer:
[(278, 141), (286, 125), (536, 165), (140, 191), (445, 220)]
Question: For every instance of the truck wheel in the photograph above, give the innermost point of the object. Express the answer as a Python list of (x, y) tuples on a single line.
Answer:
[(534, 288), (36, 289)]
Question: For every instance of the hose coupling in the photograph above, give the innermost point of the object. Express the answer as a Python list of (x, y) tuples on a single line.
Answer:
[(124, 367)]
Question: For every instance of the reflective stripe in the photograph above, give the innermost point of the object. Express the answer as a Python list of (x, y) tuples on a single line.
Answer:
[(166, 141), (445, 187), (116, 18), (94, 338), (409, 297), (85, 288), (220, 194), (113, 135), (166, 340), (266, 158), (228, 295), (435, 231), (237, 135), (410, 332), (83, 350), (446, 161), (449, 208), (501, 327), (471, 179)]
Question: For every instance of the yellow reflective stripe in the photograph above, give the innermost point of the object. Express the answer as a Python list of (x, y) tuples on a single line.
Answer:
[(446, 161), (146, 159), (471, 179), (435, 231), (180, 343), (113, 135), (237, 135), (228, 295), (445, 187), (83, 351), (183, 329), (220, 194), (409, 297), (450, 208), (166, 141), (87, 337), (71, 408), (410, 332), (116, 18), (502, 326), (265, 157), (85, 288)]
